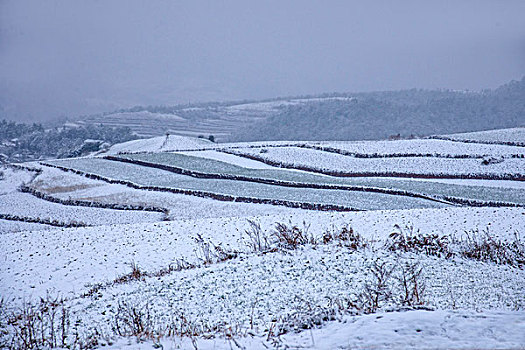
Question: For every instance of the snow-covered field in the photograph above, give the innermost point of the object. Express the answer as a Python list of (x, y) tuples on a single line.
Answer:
[(216, 163), (161, 143), (328, 161), (512, 135), (179, 206), (90, 255), (24, 204), (147, 176), (423, 147), (197, 281), (393, 330)]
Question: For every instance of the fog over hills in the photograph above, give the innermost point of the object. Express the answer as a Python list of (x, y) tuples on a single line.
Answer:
[(335, 116), (380, 115), (67, 58)]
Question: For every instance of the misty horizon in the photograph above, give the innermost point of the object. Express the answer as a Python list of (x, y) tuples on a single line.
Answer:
[(64, 59)]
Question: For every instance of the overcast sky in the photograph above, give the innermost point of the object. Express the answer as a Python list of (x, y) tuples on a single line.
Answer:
[(64, 58)]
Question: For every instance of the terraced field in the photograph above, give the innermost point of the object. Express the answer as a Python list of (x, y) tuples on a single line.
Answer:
[(411, 187), (512, 136), (193, 244), (152, 177), (431, 167), (420, 148)]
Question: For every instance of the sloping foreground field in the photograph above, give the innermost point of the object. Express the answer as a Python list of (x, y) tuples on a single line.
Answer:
[(157, 178), (392, 330), (91, 255), (263, 294)]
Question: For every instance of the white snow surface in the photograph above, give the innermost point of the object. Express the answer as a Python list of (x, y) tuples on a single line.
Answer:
[(424, 146), (419, 165), (161, 143), (499, 135), (17, 226), (469, 182), (65, 260), (12, 179), (25, 204), (440, 329), (229, 158)]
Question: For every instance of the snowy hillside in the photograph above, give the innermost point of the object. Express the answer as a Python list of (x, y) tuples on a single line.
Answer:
[(159, 144), (501, 136), (219, 120), (355, 116), (179, 242)]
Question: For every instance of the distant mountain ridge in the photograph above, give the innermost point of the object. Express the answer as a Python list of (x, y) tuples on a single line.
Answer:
[(335, 116), (379, 115)]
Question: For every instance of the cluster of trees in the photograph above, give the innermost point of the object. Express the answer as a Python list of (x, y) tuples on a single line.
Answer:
[(379, 115), (23, 142), (10, 130)]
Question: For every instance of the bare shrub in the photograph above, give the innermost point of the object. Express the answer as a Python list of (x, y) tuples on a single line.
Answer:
[(291, 237), (409, 240), (483, 246), (45, 324), (209, 253), (138, 320), (136, 274), (134, 320), (382, 290), (378, 290), (178, 265), (346, 236), (411, 283), (307, 315), (255, 238)]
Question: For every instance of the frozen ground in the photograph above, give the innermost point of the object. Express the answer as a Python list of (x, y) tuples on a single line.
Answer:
[(514, 135), (423, 147), (393, 330), (477, 304), (65, 260), (66, 185), (412, 165), (160, 143)]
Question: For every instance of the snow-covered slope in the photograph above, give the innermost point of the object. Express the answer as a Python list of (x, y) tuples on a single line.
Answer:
[(511, 136), (161, 143), (441, 329), (221, 121), (220, 275), (91, 255)]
